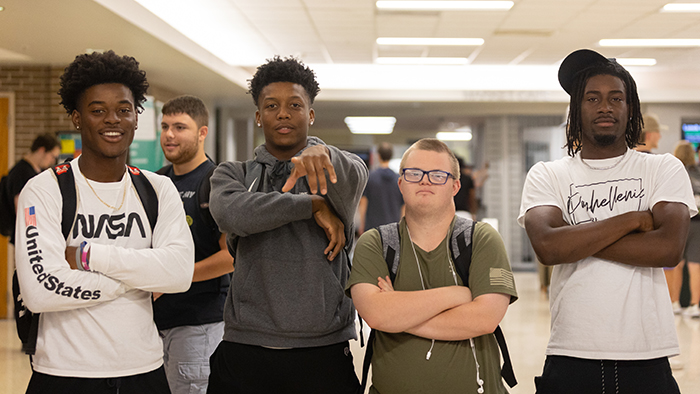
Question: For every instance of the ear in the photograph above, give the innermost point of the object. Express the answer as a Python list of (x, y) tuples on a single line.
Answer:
[(75, 118), (456, 185), (312, 116), (203, 132)]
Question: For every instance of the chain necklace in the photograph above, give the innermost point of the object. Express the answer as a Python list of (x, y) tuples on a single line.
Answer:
[(610, 167), (101, 200)]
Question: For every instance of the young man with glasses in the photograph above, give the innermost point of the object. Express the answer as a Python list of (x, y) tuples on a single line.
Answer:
[(430, 327)]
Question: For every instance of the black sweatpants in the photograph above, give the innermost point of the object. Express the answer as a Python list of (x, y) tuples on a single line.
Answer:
[(569, 375), (153, 382), (247, 369)]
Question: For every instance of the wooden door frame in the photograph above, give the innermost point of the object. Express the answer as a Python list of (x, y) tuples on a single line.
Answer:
[(7, 266)]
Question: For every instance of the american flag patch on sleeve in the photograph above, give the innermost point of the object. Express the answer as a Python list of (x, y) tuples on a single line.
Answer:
[(501, 277), (29, 216)]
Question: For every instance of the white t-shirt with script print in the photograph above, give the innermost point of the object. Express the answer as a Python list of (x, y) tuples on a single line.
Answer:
[(603, 309)]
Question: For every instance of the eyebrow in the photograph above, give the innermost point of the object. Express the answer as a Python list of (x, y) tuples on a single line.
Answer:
[(174, 124), (598, 91), (103, 102)]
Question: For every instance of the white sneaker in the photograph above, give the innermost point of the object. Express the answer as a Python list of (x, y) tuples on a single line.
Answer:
[(677, 309), (676, 363), (692, 311)]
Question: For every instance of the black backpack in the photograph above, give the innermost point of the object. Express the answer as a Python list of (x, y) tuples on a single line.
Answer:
[(7, 208), (27, 321), (462, 257)]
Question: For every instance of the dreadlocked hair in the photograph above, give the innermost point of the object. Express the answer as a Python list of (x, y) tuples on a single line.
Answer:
[(288, 69), (92, 69), (574, 127)]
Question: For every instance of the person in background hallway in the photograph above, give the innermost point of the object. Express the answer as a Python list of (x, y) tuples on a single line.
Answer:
[(465, 199), (192, 323), (287, 215), (685, 153), (381, 202), (93, 290), (42, 155), (431, 327), (651, 133), (607, 218)]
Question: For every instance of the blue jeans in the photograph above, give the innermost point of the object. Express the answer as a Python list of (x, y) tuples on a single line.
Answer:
[(186, 352)]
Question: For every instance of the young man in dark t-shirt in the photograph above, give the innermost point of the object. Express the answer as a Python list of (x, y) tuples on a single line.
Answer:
[(42, 155), (191, 323)]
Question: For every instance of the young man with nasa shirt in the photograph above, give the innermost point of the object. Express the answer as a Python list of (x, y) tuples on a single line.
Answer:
[(608, 218), (93, 290)]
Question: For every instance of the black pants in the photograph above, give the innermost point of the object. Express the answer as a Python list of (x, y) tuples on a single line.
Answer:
[(153, 382), (246, 369), (569, 375)]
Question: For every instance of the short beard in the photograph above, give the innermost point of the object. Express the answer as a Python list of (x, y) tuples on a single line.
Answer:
[(605, 140)]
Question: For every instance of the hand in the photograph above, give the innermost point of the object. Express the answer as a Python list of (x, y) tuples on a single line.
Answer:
[(156, 295), (646, 221), (311, 164), (384, 284), (329, 222), (70, 257)]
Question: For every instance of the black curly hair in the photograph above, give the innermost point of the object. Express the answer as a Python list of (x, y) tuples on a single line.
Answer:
[(97, 68), (288, 69), (574, 130)]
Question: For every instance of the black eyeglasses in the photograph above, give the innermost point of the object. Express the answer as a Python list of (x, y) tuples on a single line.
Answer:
[(415, 175)]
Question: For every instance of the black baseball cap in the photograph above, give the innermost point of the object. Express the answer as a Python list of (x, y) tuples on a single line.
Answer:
[(576, 62)]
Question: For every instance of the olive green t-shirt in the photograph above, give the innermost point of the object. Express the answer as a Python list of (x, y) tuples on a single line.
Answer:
[(399, 363)]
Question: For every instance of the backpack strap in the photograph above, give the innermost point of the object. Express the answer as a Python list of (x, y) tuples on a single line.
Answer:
[(254, 175), (462, 257), (507, 372), (203, 193), (66, 182), (146, 193), (391, 246)]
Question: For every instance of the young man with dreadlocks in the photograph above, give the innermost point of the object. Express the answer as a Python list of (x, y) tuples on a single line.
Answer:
[(93, 289), (608, 218), (287, 319)]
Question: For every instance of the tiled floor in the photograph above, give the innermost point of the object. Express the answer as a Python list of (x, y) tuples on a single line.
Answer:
[(526, 327)]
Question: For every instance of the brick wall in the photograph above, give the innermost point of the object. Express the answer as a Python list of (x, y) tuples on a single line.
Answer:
[(37, 108), (36, 102)]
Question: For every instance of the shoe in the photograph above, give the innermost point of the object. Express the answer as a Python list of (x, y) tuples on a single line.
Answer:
[(692, 311), (677, 309), (676, 363)]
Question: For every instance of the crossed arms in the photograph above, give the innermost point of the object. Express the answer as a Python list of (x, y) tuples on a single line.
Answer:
[(653, 238), (443, 313)]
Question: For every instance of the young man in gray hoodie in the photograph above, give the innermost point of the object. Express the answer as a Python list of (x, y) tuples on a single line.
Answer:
[(288, 216)]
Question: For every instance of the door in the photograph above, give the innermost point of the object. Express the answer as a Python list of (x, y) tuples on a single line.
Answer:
[(4, 164)]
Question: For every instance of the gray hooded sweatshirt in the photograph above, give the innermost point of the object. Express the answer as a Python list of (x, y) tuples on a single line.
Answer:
[(285, 292)]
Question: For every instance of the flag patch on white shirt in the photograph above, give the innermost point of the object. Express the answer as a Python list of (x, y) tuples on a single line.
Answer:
[(501, 277)]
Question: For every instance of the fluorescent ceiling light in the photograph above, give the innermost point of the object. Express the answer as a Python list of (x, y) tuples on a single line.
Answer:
[(445, 5), (650, 42), (370, 124), (636, 61), (422, 60), (227, 33), (454, 136), (430, 41), (681, 7)]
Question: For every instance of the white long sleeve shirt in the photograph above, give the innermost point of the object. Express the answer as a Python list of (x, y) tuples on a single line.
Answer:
[(100, 323)]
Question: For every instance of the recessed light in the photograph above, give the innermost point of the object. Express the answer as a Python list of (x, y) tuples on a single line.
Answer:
[(681, 7), (2, 8), (636, 61), (370, 124), (445, 5), (650, 42), (454, 135), (430, 41), (423, 60)]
